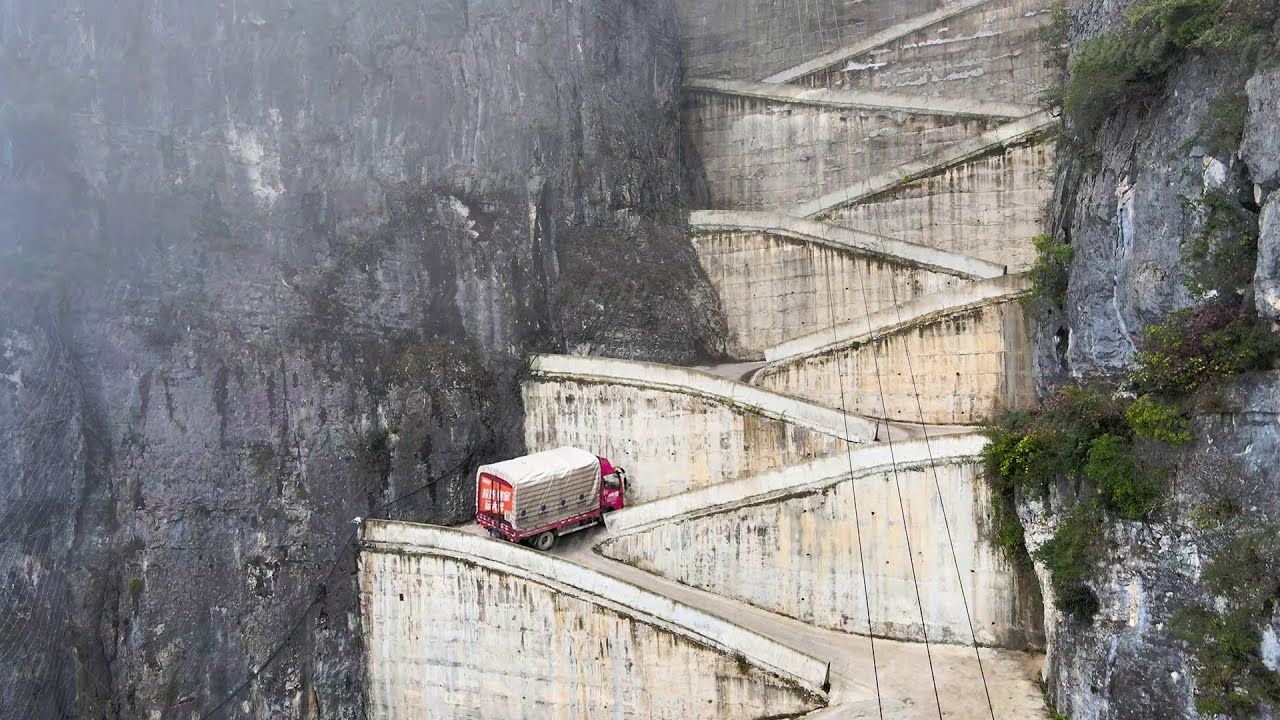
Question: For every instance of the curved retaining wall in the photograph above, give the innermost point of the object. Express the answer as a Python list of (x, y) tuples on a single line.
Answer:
[(460, 626), (786, 542), (676, 429), (780, 277), (989, 50), (765, 154), (967, 347), (990, 207), (755, 38), (1018, 132)]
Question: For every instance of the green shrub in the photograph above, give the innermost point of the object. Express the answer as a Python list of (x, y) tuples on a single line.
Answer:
[(1071, 557), (1194, 347), (1050, 272), (1219, 260), (1223, 131), (1125, 487), (1108, 71), (1155, 420), (1129, 65), (1055, 37), (1224, 636)]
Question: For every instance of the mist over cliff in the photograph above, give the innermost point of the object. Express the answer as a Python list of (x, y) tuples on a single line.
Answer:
[(268, 266)]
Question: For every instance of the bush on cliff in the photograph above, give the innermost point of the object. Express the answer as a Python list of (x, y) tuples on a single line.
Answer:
[(1196, 346), (1128, 65), (1108, 454), (1224, 634)]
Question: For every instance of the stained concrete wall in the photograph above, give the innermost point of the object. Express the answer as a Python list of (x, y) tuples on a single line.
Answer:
[(967, 349), (460, 626), (1023, 130), (781, 277), (989, 51), (755, 38), (762, 154), (676, 429), (787, 542), (987, 208)]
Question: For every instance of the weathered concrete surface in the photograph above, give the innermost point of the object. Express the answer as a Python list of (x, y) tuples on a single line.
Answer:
[(860, 43), (764, 154), (782, 277), (676, 429), (861, 99), (989, 207), (787, 542), (756, 38), (990, 142), (461, 626), (905, 690), (966, 348), (989, 51)]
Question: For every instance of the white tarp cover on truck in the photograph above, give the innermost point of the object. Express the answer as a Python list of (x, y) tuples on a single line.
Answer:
[(548, 486)]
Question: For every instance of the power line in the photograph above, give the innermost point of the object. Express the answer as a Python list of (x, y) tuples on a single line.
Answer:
[(946, 522), (857, 518)]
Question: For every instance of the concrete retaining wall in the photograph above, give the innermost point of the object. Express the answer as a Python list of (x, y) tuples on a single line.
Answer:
[(990, 51), (787, 542), (1018, 132), (676, 429), (460, 626), (755, 38), (762, 154), (986, 208), (968, 349), (781, 277)]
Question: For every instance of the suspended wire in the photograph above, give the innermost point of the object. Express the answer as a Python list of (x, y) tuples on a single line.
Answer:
[(857, 518), (893, 457), (946, 522), (893, 461)]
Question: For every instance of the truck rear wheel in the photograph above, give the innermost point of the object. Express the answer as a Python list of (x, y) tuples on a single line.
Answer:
[(545, 541)]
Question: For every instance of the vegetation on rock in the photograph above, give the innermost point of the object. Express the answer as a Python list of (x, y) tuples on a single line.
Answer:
[(1224, 635), (1109, 452), (1195, 346), (1129, 65), (1050, 272)]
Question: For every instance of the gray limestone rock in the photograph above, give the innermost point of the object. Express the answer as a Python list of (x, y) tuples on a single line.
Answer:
[(1266, 279), (1261, 146), (268, 265)]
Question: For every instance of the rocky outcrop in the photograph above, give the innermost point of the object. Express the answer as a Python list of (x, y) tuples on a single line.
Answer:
[(1130, 201), (266, 267), (1126, 663), (1261, 147)]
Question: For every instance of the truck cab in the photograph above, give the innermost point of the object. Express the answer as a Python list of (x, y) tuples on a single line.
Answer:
[(613, 486)]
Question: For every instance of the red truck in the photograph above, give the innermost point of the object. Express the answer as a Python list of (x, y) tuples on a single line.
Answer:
[(536, 498)]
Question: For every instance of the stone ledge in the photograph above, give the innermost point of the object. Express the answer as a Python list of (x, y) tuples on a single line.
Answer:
[(872, 42), (1018, 131), (868, 460), (695, 383)]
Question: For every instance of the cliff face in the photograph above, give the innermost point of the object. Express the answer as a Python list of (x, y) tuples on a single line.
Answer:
[(268, 266), (1129, 201)]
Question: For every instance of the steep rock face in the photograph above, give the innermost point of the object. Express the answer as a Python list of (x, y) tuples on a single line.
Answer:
[(1126, 663), (1128, 203), (269, 266), (1126, 209)]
